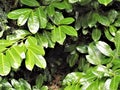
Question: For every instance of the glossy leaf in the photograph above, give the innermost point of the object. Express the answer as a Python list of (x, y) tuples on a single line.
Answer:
[(82, 48), (58, 35), (112, 15), (73, 1), (105, 2), (94, 56), (17, 13), (69, 30), (40, 61), (67, 20), (23, 19), (48, 37), (37, 49), (33, 23), (31, 41), (96, 34), (107, 84), (32, 3), (5, 43), (15, 56), (42, 17), (108, 35), (30, 61), (104, 48), (103, 20), (41, 40), (112, 30), (4, 65)]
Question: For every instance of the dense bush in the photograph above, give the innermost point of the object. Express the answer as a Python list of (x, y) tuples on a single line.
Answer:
[(87, 30)]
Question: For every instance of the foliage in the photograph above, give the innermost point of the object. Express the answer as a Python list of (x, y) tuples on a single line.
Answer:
[(88, 29)]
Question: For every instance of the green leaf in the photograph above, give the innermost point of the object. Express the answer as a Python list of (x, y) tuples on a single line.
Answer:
[(50, 10), (57, 17), (23, 19), (107, 84), (4, 65), (32, 3), (33, 23), (94, 56), (112, 30), (103, 20), (15, 55), (5, 43), (104, 48), (37, 49), (96, 34), (18, 34), (108, 35), (17, 13), (73, 1), (72, 59), (117, 41), (42, 40), (93, 86), (31, 41), (42, 17), (112, 15), (82, 48), (67, 20), (40, 61), (105, 2), (30, 60), (48, 37), (58, 35), (69, 30), (114, 83), (2, 48)]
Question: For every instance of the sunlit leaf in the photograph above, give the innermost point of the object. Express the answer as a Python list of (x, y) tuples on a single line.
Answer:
[(67, 20), (50, 10), (58, 35), (104, 48), (96, 34), (105, 2), (4, 65), (69, 30), (31, 41), (73, 1), (17, 13), (33, 23), (42, 17)]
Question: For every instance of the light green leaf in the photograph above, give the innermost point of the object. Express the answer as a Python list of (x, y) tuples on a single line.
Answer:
[(2, 48), (17, 13), (107, 84), (41, 40), (42, 17), (104, 48), (82, 48), (112, 15), (15, 55), (4, 65), (32, 3), (50, 10), (69, 30), (30, 60), (31, 41), (117, 41), (114, 83), (58, 35), (40, 61), (23, 19), (67, 20), (105, 2), (108, 35), (18, 34), (93, 86), (5, 43), (37, 49), (48, 37), (33, 23), (96, 34)]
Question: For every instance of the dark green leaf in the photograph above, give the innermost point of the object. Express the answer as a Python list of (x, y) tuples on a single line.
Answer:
[(33, 23), (17, 13), (32, 3), (96, 34), (69, 30)]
